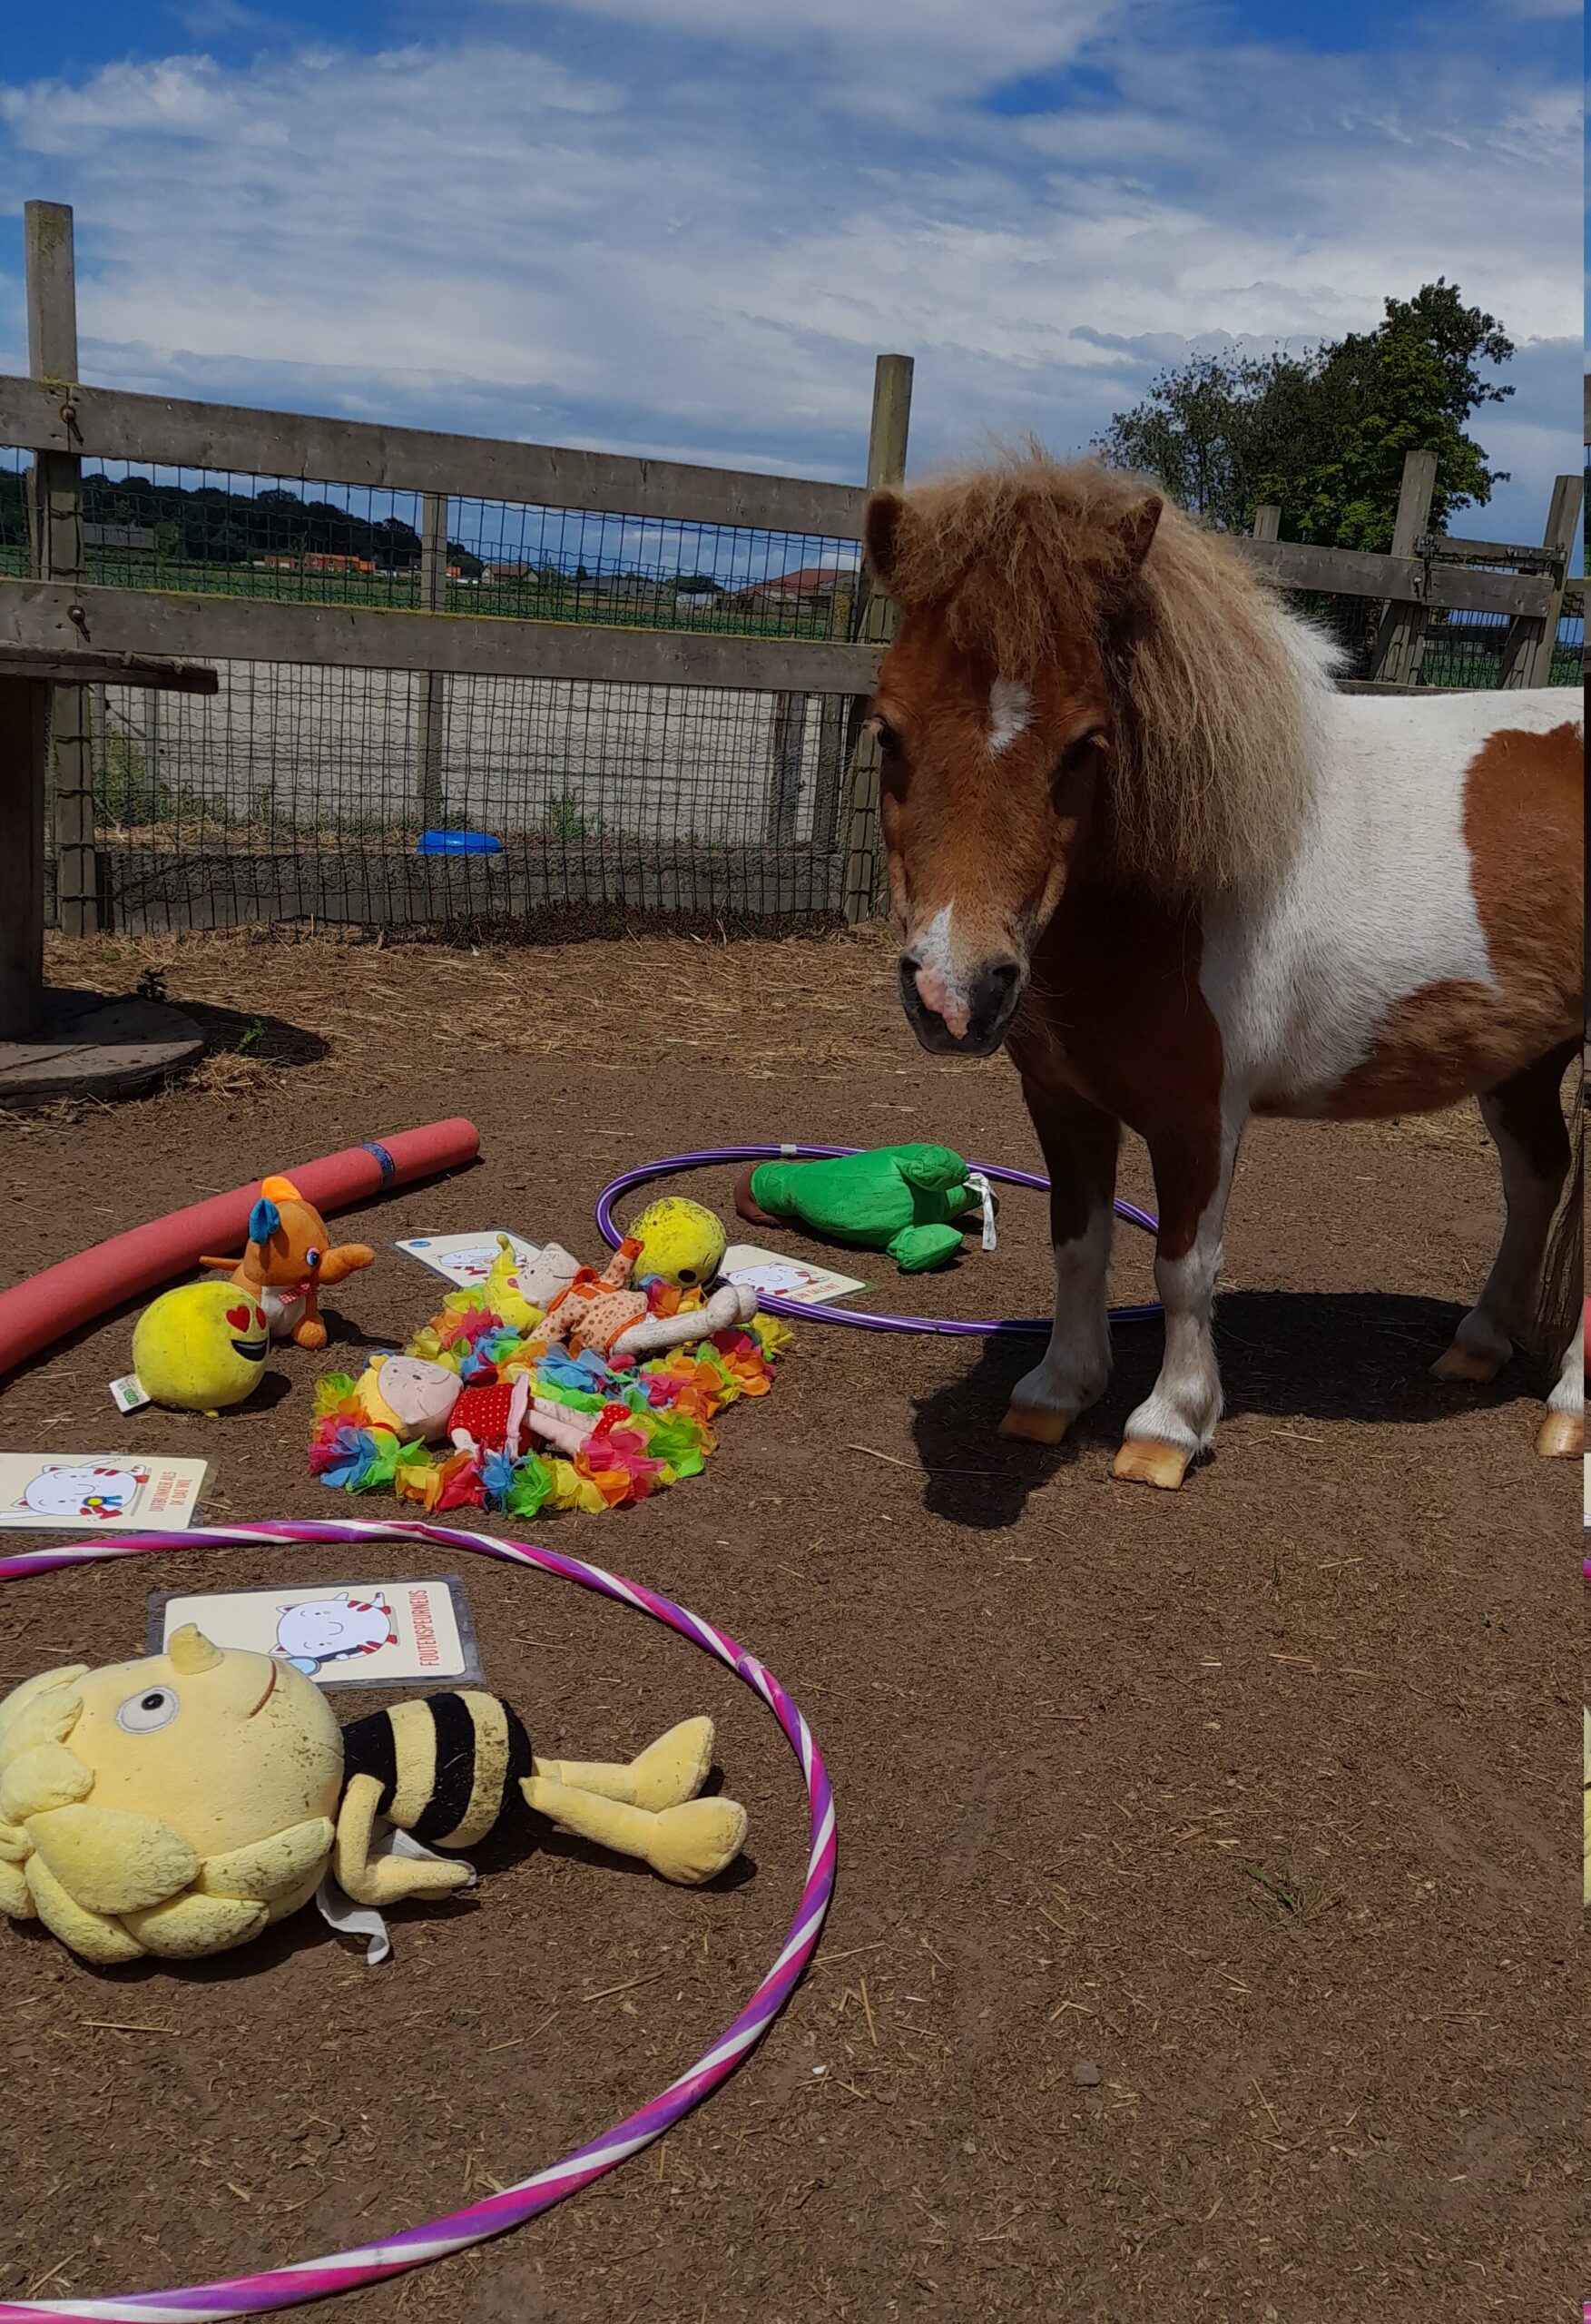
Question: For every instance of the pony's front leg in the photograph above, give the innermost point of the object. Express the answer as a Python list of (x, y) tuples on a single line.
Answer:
[(1079, 1144), (1175, 1424)]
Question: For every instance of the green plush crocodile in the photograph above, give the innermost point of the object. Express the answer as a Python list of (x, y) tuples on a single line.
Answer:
[(903, 1199)]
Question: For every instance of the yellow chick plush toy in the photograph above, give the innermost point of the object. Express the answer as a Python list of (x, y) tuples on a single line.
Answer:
[(179, 1805)]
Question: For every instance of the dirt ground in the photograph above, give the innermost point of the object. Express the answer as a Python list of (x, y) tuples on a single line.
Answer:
[(1203, 1937)]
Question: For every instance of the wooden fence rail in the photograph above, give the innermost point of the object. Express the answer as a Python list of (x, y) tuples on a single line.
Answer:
[(42, 614), (59, 415)]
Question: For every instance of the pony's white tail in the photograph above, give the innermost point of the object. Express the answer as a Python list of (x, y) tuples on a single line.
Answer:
[(1562, 1270)]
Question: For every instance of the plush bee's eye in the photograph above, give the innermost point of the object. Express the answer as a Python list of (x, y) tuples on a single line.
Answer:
[(144, 1714)]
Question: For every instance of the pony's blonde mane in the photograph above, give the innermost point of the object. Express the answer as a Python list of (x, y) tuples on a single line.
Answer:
[(1215, 686)]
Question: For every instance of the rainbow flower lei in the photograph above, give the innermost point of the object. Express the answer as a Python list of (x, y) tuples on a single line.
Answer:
[(655, 1420)]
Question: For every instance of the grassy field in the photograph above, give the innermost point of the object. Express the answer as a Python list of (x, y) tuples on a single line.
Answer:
[(651, 607)]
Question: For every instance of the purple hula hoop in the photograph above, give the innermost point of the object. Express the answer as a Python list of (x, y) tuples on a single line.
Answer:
[(990, 1327), (277, 2288)]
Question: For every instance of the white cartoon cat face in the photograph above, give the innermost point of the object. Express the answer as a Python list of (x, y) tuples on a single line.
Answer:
[(314, 1630), (787, 1275), (99, 1490)]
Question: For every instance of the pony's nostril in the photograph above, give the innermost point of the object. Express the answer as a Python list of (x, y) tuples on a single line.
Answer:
[(994, 988)]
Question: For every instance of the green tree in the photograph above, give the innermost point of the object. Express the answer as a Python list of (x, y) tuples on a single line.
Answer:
[(1195, 431), (1323, 434)]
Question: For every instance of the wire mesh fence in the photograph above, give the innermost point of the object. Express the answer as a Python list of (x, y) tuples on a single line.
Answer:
[(1456, 649), (300, 792), (389, 798), (330, 544)]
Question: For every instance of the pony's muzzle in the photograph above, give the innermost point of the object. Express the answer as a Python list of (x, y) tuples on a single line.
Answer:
[(969, 1021)]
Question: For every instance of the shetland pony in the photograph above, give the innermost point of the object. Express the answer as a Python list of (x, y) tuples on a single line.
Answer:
[(1136, 833)]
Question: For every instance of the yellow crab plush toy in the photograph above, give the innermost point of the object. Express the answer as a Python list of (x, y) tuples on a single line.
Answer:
[(179, 1805)]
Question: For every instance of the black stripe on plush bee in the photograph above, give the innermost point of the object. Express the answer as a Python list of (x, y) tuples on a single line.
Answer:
[(179, 1805), (447, 1768)]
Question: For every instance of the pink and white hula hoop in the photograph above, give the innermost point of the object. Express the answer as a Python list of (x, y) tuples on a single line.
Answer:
[(368, 2263)]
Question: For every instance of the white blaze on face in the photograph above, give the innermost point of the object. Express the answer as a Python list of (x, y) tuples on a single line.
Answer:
[(1010, 712), (938, 985)]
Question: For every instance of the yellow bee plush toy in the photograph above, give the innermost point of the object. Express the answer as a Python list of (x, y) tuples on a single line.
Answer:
[(179, 1805)]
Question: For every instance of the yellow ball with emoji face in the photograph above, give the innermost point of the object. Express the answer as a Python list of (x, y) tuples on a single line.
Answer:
[(202, 1346), (681, 1241)]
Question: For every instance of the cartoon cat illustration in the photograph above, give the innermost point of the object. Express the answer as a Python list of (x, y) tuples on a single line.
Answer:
[(102, 1490), (314, 1632)]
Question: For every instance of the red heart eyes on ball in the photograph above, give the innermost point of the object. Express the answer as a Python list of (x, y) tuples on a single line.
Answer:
[(239, 1318)]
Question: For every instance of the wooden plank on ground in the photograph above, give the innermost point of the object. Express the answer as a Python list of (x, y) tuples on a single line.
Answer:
[(40, 616), (90, 1046), (113, 424)]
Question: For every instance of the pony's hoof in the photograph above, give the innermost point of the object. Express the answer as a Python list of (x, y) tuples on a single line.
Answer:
[(1034, 1425), (1464, 1362), (1562, 1435), (1148, 1461)]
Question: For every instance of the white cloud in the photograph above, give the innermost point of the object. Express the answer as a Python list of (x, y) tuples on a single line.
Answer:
[(688, 229), (885, 60)]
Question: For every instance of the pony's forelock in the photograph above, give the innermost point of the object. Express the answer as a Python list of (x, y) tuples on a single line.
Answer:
[(1215, 684)]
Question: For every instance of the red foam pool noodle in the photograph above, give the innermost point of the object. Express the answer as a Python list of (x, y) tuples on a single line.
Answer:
[(43, 1309)]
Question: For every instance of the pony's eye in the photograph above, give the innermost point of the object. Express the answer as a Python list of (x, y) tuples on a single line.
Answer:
[(1077, 754), (311, 1257), (142, 1714), (884, 734)]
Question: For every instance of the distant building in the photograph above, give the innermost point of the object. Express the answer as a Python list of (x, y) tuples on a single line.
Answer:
[(813, 589), (319, 561)]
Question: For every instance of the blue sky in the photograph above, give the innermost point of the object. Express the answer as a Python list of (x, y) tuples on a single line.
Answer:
[(685, 227)]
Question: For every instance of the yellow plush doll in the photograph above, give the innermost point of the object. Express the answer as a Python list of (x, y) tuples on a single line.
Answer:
[(178, 1805)]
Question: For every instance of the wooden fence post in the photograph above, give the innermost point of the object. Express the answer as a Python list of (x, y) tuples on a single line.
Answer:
[(25, 745), (887, 440), (787, 743), (56, 514), (1401, 638), (1268, 523), (431, 729), (1527, 648)]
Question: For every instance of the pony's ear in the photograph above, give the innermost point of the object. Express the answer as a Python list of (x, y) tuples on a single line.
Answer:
[(881, 533), (1135, 530)]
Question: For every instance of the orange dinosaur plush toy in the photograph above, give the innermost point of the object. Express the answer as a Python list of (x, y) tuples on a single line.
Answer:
[(288, 1260)]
